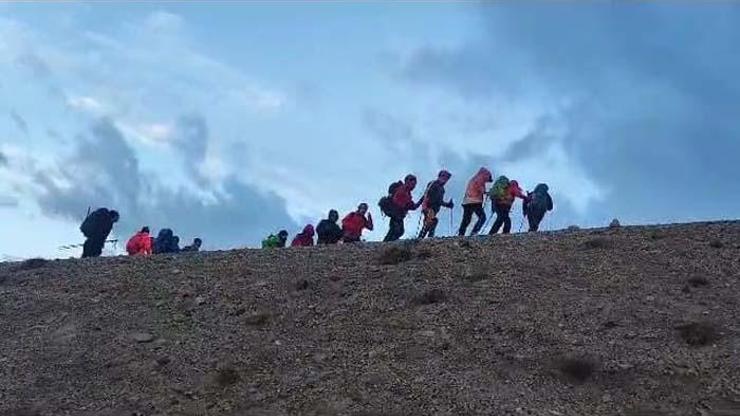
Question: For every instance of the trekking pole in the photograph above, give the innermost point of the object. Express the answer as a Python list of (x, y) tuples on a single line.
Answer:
[(521, 224), (449, 232)]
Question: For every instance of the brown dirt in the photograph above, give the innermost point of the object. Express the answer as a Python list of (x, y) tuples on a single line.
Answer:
[(599, 322)]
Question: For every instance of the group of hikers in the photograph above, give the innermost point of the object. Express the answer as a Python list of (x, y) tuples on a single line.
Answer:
[(396, 205), (97, 226)]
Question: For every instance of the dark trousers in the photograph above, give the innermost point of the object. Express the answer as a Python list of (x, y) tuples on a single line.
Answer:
[(93, 247), (502, 218), (534, 219), (395, 229), (468, 211), (430, 224)]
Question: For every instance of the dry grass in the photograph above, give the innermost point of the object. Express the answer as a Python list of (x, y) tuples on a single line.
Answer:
[(395, 255)]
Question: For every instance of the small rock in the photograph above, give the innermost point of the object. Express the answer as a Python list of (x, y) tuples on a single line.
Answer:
[(163, 361), (630, 335), (607, 398), (650, 298), (199, 300), (176, 271), (427, 333), (143, 337)]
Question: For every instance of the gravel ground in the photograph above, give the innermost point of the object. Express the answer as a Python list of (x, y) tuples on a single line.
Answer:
[(625, 321)]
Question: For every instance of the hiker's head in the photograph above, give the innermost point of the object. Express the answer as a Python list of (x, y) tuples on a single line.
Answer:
[(176, 239), (410, 181), (114, 216), (513, 184), (308, 230), (362, 208), (444, 176), (485, 173), (283, 235), (333, 215), (145, 230), (197, 242)]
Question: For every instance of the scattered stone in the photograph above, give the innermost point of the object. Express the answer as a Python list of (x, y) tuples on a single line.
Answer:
[(257, 319), (142, 337), (698, 281), (716, 243), (430, 297), (301, 284), (395, 255), (577, 369), (650, 298), (699, 334), (199, 300)]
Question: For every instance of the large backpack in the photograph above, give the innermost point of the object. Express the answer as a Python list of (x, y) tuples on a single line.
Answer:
[(270, 242), (92, 222), (538, 199), (386, 203), (499, 189)]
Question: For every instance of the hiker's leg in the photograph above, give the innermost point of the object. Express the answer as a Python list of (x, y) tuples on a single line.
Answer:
[(507, 220), (395, 230), (499, 220), (481, 214), (467, 216), (391, 231), (93, 247), (534, 221), (433, 227), (87, 248)]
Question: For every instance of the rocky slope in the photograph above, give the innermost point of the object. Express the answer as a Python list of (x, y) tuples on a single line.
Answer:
[(627, 321)]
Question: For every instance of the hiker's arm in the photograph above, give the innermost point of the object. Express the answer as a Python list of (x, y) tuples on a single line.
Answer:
[(549, 203), (449, 204), (369, 222)]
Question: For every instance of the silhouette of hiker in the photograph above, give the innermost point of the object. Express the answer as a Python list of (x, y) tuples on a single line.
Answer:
[(434, 201), (193, 248), (400, 204), (538, 202), (328, 231), (475, 195), (355, 222), (96, 228), (503, 194)]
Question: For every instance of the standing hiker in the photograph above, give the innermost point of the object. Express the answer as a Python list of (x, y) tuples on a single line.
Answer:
[(276, 241), (473, 203), (193, 248), (140, 244), (432, 202), (328, 231), (304, 238), (163, 242), (537, 203), (397, 205), (503, 194), (96, 228), (355, 222)]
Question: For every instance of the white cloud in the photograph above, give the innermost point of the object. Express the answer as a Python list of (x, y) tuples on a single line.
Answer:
[(86, 104)]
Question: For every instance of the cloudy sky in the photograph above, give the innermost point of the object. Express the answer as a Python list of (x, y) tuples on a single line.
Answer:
[(230, 120)]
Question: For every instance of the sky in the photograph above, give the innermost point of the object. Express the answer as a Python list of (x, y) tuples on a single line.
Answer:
[(230, 120)]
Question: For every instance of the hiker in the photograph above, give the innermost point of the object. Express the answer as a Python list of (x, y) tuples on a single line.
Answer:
[(193, 248), (432, 202), (355, 222), (165, 242), (304, 238), (275, 241), (96, 228), (537, 203), (140, 244), (397, 205), (473, 202), (174, 245), (503, 194), (328, 231)]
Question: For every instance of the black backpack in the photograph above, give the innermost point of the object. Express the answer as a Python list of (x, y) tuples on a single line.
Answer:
[(386, 203), (92, 222)]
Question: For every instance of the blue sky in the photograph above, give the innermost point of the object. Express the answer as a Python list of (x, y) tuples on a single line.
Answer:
[(229, 120)]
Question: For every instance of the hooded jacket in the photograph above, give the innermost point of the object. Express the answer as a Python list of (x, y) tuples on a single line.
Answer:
[(328, 232), (305, 238), (476, 190), (538, 202), (403, 200), (139, 245)]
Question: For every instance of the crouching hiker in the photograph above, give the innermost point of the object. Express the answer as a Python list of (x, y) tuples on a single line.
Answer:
[(537, 203), (276, 241), (140, 244), (304, 238), (432, 202), (475, 195), (166, 242), (397, 205), (96, 228), (503, 194), (328, 231), (355, 222), (193, 248)]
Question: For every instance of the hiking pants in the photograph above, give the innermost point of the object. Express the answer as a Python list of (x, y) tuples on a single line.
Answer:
[(93, 247), (534, 219), (468, 211), (502, 218), (430, 224), (395, 229)]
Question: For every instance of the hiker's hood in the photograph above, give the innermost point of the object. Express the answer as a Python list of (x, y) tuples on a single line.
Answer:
[(483, 176), (541, 189), (308, 230)]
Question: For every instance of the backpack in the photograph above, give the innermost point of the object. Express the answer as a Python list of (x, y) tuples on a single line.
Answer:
[(91, 222), (270, 242), (538, 199), (500, 187), (386, 203)]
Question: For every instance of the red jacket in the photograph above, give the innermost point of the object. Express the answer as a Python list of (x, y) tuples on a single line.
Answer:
[(512, 192), (139, 245), (475, 192), (354, 223), (403, 199), (305, 238)]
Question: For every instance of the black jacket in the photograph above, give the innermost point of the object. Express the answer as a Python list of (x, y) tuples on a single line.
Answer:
[(98, 224), (328, 232), (435, 195)]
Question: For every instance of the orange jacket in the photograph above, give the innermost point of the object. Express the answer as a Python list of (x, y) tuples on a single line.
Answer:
[(476, 190), (139, 245)]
